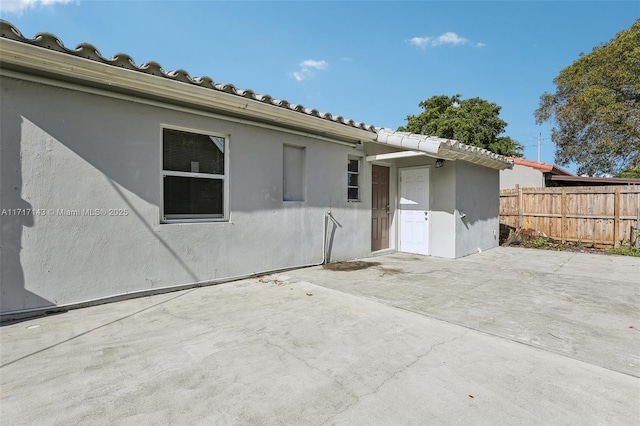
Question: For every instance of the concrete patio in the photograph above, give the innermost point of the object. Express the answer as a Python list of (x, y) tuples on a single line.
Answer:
[(508, 336)]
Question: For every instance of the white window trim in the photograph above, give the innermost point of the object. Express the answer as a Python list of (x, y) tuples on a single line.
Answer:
[(225, 178), (359, 173)]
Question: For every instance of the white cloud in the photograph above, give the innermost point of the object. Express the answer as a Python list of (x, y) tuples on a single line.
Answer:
[(307, 68), (420, 41), (310, 63), (303, 74), (19, 6), (449, 38)]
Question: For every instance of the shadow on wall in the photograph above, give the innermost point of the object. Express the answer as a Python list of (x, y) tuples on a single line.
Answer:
[(478, 203), (114, 139), (34, 137), (16, 214), (478, 195)]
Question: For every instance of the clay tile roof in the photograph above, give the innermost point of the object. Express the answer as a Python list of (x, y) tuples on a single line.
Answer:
[(88, 51), (543, 167)]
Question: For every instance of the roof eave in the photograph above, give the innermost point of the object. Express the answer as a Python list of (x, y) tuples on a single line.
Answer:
[(59, 65)]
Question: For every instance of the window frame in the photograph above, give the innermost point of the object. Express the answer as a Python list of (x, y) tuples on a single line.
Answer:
[(359, 174), (196, 218)]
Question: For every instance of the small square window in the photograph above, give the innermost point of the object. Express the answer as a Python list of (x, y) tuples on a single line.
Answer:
[(353, 180)]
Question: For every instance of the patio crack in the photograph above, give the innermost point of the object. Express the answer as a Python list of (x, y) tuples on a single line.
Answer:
[(564, 263), (394, 375), (305, 362)]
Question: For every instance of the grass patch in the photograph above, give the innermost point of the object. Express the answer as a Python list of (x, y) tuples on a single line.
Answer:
[(540, 242), (625, 251), (546, 243)]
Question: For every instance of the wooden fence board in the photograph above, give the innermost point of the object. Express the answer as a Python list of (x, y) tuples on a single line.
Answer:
[(602, 215)]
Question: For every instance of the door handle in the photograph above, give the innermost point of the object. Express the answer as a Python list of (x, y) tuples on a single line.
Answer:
[(426, 215)]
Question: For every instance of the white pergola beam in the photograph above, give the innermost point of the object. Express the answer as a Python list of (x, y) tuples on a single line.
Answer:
[(394, 155)]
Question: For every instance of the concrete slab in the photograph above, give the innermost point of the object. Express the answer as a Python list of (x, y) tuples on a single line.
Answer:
[(581, 305), (283, 350)]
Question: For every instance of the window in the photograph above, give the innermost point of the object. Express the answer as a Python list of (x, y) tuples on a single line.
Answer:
[(293, 171), (353, 180), (194, 176)]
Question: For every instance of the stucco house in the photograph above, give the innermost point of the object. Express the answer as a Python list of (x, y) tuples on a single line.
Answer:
[(534, 174), (119, 180), (530, 174)]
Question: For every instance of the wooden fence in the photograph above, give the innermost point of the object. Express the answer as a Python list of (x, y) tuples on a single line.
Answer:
[(600, 215)]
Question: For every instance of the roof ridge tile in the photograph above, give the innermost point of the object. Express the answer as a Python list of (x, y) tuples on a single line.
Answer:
[(48, 41), (153, 68), (88, 51), (123, 60)]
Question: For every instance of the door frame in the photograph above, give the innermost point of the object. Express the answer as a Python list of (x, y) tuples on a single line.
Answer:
[(398, 230), (391, 202)]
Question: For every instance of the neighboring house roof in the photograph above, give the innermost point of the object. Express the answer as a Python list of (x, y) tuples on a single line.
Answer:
[(86, 64), (588, 180), (543, 167)]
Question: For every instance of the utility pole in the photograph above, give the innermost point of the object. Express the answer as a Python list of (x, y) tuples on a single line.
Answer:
[(539, 134)]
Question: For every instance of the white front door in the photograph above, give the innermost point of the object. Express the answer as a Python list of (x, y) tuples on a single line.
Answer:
[(414, 210)]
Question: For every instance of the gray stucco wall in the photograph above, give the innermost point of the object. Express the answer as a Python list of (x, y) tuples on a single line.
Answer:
[(478, 198), (526, 177), (443, 207), (67, 150)]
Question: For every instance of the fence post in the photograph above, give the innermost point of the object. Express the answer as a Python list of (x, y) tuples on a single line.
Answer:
[(638, 230), (563, 213), (616, 219), (520, 203)]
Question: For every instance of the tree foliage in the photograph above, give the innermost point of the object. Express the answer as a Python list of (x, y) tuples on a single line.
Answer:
[(596, 107), (633, 172), (471, 121)]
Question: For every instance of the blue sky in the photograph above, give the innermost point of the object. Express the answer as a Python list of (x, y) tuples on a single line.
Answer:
[(371, 61)]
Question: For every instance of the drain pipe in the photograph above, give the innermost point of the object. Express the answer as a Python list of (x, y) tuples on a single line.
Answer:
[(327, 216), (324, 236)]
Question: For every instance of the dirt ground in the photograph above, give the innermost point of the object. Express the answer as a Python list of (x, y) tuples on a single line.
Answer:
[(530, 238)]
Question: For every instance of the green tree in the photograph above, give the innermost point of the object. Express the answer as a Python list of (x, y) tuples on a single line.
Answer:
[(596, 107), (633, 172), (471, 121)]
